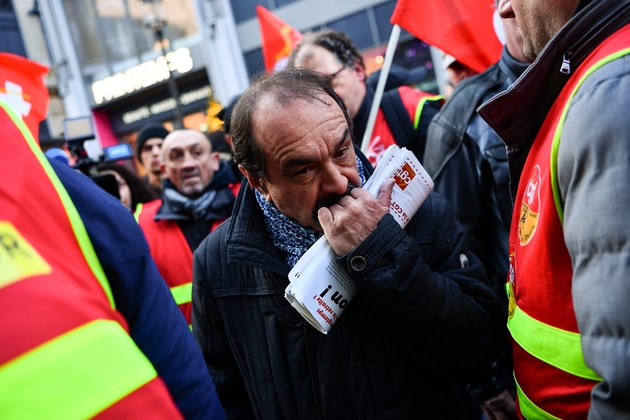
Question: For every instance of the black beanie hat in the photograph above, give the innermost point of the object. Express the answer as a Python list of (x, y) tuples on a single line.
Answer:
[(147, 133)]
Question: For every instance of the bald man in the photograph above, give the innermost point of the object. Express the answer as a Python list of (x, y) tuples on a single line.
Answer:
[(199, 192)]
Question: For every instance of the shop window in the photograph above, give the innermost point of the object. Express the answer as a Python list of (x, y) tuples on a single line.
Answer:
[(246, 9), (280, 3), (110, 35), (254, 62), (383, 13)]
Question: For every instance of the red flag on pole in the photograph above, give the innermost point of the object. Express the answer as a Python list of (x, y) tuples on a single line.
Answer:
[(22, 87), (278, 39), (461, 28)]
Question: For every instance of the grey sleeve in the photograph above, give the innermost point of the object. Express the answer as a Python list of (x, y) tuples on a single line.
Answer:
[(594, 178)]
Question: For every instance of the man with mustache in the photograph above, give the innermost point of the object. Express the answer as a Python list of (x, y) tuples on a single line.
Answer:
[(424, 315), (198, 195)]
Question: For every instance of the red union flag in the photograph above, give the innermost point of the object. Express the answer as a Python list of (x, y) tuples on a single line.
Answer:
[(461, 28), (278, 39), (22, 87)]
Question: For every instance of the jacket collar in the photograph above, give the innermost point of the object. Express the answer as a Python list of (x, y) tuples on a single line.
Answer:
[(247, 239)]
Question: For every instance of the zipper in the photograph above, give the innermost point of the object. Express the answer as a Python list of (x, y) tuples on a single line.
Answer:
[(589, 40), (566, 63)]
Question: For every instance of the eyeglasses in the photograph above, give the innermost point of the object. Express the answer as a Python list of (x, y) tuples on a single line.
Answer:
[(331, 77)]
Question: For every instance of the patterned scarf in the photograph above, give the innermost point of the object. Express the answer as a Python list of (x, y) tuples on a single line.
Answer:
[(193, 208), (288, 235)]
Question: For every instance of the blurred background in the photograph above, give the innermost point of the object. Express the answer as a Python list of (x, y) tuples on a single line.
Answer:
[(129, 63)]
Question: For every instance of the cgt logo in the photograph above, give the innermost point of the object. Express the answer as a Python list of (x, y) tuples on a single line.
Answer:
[(530, 208)]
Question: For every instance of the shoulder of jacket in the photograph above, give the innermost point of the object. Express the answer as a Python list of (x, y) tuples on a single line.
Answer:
[(148, 211), (460, 107)]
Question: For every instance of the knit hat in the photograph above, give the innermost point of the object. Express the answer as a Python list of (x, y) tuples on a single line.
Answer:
[(149, 132)]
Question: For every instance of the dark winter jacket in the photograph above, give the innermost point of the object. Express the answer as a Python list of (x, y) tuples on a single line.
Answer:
[(468, 163)]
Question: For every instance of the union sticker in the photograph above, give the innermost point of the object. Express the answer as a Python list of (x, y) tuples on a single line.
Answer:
[(511, 283), (18, 259), (530, 208)]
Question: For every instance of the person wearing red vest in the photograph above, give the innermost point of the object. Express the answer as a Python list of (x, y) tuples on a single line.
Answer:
[(565, 123), (333, 54), (84, 310), (199, 192)]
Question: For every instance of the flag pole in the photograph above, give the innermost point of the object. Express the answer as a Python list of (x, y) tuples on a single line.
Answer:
[(380, 87), (438, 68)]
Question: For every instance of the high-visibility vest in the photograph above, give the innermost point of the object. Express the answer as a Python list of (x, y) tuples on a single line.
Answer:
[(66, 352), (171, 251), (553, 381)]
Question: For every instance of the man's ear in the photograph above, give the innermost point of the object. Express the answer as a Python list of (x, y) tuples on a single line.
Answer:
[(216, 161), (359, 70), (255, 182)]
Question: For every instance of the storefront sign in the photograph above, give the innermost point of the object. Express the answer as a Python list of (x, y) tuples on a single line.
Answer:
[(159, 106), (142, 76), (165, 105)]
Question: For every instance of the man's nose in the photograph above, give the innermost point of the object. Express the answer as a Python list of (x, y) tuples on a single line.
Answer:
[(189, 161), (334, 182)]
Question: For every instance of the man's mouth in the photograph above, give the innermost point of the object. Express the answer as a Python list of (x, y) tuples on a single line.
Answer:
[(330, 199), (190, 174)]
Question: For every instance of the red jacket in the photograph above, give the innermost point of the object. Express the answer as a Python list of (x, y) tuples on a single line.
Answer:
[(171, 251), (66, 351)]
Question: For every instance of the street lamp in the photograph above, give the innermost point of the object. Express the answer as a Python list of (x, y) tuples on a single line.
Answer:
[(154, 18)]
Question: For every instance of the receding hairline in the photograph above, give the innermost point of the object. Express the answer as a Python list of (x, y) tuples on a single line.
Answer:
[(277, 98), (307, 51), (176, 134)]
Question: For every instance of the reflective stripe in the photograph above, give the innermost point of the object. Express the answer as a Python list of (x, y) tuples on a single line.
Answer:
[(558, 134), (75, 375), (182, 293), (528, 409), (416, 120), (136, 214), (73, 215), (559, 348)]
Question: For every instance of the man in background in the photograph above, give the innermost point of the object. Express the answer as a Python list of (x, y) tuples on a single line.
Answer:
[(567, 133), (456, 72), (404, 113), (149, 153), (198, 195)]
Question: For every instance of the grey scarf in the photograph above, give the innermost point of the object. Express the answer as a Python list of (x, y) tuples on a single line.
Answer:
[(195, 208)]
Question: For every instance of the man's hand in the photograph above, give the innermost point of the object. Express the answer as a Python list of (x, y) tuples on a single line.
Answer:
[(350, 221), (501, 407)]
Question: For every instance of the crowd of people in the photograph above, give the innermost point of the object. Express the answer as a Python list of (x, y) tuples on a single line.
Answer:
[(502, 298)]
